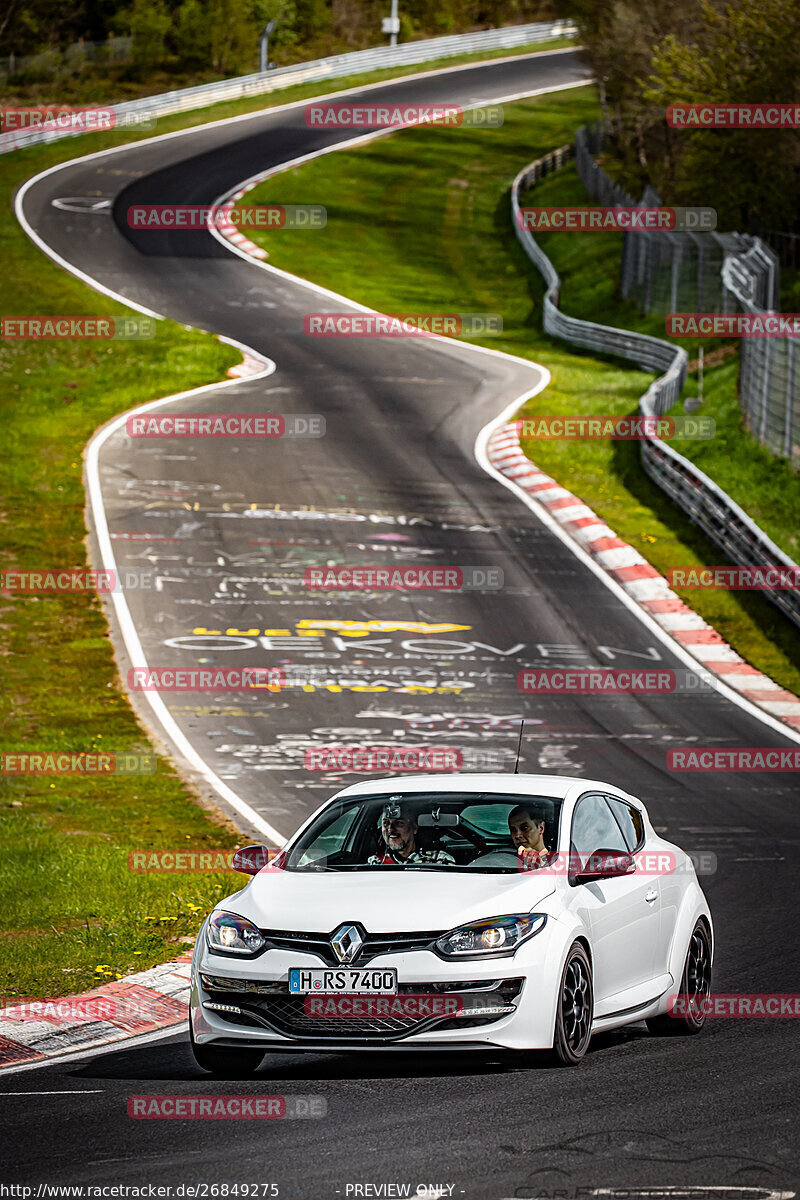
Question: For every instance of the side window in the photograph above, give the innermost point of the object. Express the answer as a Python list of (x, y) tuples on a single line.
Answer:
[(594, 828), (630, 821), (331, 840)]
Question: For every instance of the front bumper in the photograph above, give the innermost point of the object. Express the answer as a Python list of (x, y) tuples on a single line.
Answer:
[(523, 986)]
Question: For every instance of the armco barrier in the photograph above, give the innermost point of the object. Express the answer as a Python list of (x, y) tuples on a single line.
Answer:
[(357, 62), (723, 521)]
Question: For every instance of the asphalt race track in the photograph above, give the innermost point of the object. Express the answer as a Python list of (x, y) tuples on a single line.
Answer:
[(394, 481)]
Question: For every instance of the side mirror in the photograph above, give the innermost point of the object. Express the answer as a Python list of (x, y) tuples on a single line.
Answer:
[(605, 864), (252, 859)]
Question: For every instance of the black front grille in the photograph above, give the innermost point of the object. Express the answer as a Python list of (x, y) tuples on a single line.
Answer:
[(288, 1015), (374, 943), (285, 1013)]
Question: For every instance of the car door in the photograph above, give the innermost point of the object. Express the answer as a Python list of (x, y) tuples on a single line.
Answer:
[(664, 880), (621, 912)]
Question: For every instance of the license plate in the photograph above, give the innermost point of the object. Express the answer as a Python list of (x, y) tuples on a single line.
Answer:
[(303, 980)]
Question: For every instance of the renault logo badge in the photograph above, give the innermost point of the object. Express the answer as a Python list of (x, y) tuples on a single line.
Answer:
[(346, 943)]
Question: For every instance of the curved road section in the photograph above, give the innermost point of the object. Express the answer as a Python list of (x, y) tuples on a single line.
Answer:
[(226, 530)]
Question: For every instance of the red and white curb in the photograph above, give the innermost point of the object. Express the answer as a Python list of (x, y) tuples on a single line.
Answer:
[(140, 1003), (232, 233), (640, 580), (248, 367)]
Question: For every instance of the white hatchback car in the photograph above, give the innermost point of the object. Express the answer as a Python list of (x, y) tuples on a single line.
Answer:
[(401, 916)]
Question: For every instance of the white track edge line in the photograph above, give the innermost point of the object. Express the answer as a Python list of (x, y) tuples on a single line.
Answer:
[(127, 625)]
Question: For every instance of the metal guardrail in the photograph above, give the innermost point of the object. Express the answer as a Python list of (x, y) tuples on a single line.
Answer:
[(136, 112), (706, 505)]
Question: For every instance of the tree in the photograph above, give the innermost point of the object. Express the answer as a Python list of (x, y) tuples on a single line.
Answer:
[(744, 53), (193, 35), (149, 22), (284, 12)]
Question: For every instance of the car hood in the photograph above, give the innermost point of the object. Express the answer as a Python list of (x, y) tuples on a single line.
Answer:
[(395, 902)]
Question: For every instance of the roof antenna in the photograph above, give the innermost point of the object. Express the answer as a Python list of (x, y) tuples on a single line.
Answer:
[(519, 745)]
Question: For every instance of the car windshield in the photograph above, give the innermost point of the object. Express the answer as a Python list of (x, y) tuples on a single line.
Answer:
[(434, 831)]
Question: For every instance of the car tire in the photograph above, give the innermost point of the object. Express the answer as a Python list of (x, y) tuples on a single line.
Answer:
[(575, 1010), (225, 1062), (695, 981)]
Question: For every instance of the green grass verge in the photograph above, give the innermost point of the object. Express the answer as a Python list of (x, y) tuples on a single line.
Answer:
[(71, 913), (430, 209)]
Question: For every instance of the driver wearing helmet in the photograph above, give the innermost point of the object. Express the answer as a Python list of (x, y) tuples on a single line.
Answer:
[(399, 833)]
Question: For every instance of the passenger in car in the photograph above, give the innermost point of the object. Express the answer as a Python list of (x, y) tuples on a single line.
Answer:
[(527, 836), (399, 833)]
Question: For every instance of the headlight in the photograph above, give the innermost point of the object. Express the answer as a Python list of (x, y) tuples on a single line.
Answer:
[(499, 935), (232, 934)]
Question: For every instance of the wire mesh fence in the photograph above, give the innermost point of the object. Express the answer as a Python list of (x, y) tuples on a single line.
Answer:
[(669, 272), (48, 63), (711, 509), (769, 367)]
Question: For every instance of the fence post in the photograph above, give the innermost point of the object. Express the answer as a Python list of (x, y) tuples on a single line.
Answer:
[(677, 255), (648, 278), (764, 364), (790, 367), (701, 263)]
